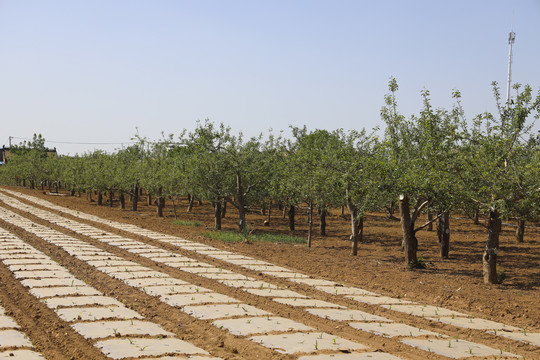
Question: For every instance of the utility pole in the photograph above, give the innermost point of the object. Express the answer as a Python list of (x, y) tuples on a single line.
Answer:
[(511, 39), (11, 137)]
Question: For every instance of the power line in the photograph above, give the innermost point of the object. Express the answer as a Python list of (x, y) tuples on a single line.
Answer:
[(78, 143)]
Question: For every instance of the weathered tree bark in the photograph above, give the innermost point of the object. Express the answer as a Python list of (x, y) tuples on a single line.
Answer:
[(429, 218), (410, 243), (443, 234), (122, 198), (99, 198), (111, 198), (160, 202), (291, 217), (217, 215), (310, 223), (190, 203), (520, 231), (322, 217), (489, 259), (135, 198)]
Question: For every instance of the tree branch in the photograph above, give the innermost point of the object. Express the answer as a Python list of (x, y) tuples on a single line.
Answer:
[(418, 210), (429, 222)]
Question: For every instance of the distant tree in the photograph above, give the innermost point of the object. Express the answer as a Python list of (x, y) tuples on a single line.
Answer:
[(311, 172), (419, 151), (500, 155)]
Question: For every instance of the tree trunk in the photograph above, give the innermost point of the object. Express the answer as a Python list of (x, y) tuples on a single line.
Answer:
[(160, 202), (410, 243), (72, 192), (217, 215), (111, 198), (149, 198), (489, 259), (391, 209), (135, 198), (190, 203), (241, 202), (263, 207), (443, 234), (291, 217), (429, 218), (99, 198), (310, 223), (32, 185), (89, 196), (224, 209), (122, 198), (268, 213), (520, 231), (56, 187), (477, 216), (174, 208), (356, 224), (322, 217), (200, 202), (284, 211)]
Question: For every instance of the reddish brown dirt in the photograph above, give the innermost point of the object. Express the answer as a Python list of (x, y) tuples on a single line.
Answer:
[(454, 283)]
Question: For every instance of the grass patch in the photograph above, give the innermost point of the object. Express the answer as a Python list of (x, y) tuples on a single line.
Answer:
[(186, 223), (232, 236)]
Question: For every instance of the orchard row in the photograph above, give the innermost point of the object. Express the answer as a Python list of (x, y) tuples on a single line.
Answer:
[(435, 162)]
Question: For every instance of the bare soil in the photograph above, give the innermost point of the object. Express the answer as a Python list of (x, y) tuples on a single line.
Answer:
[(454, 283)]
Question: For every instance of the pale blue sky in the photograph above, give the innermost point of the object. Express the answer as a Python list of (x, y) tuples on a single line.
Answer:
[(93, 71)]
